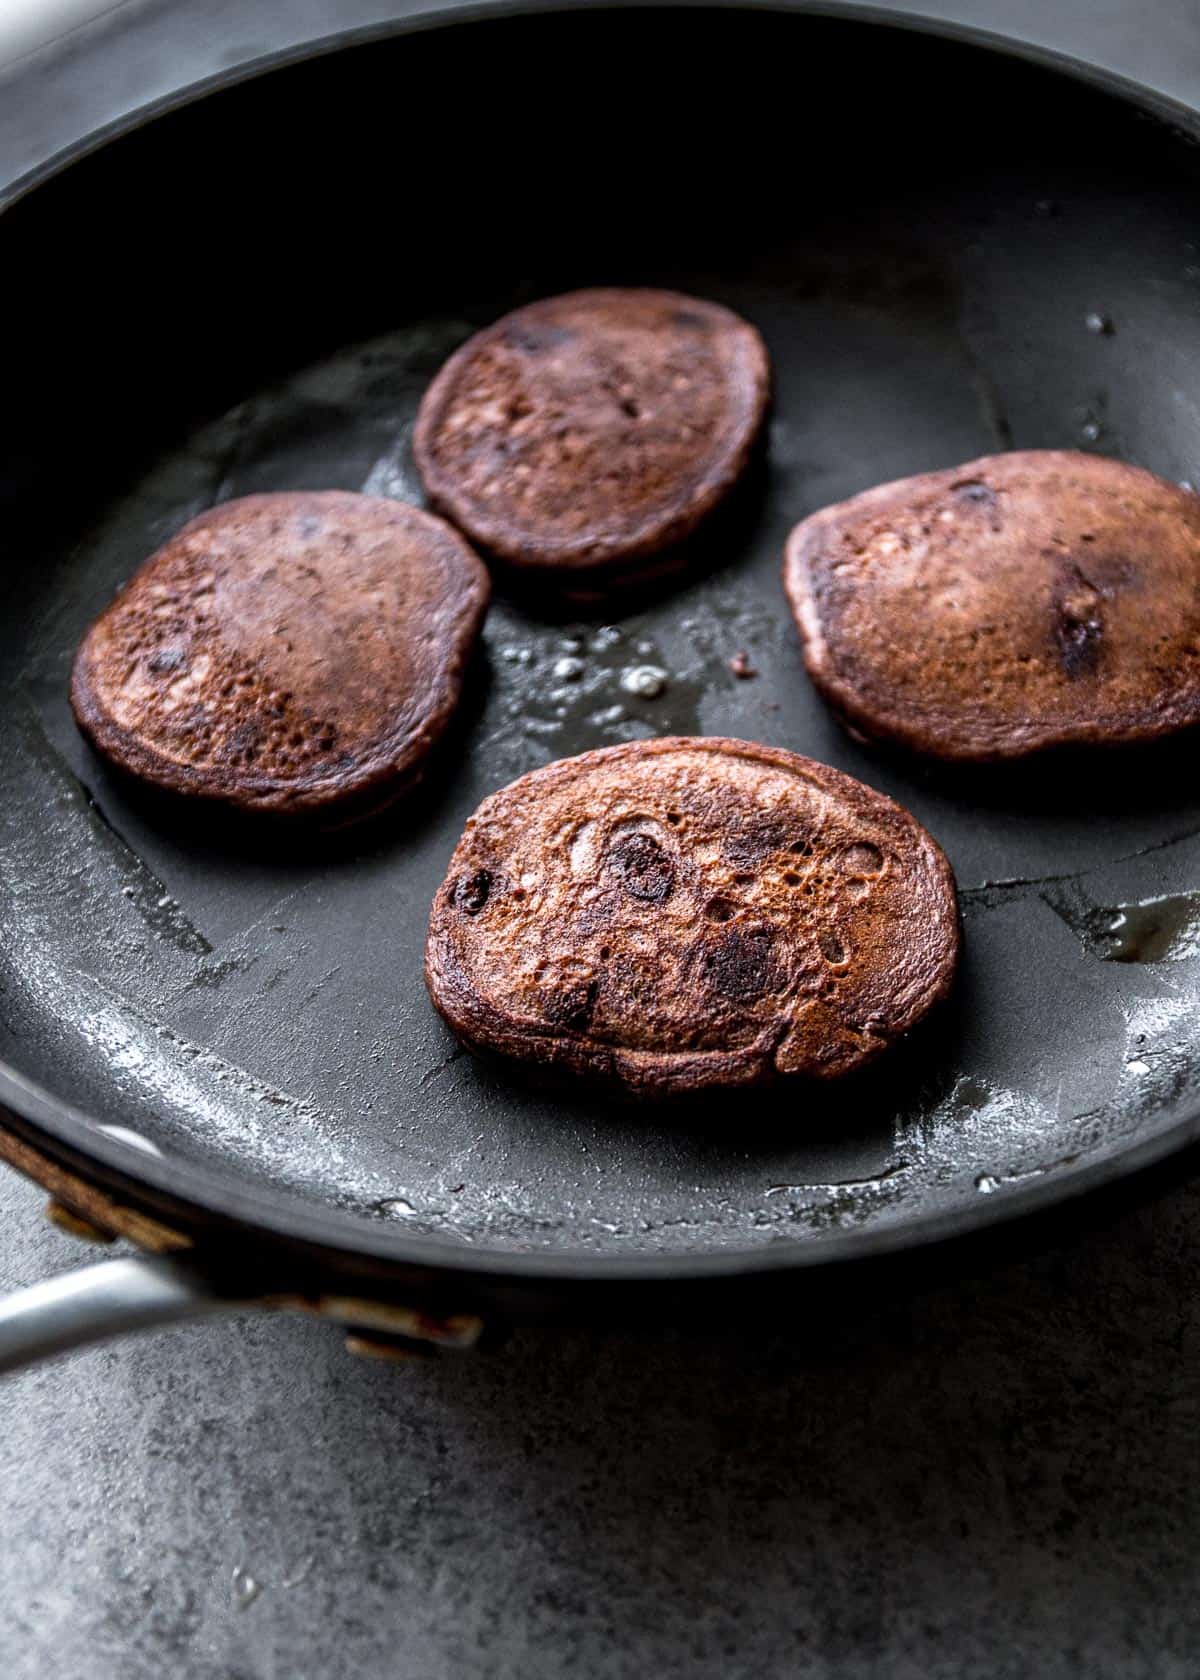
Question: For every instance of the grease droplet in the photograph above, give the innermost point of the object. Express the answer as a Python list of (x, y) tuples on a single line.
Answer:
[(1148, 930), (395, 1207), (244, 1589), (646, 681)]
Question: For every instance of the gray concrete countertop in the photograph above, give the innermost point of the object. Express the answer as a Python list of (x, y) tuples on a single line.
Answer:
[(999, 1478)]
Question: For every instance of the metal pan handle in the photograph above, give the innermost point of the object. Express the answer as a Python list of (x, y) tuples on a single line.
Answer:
[(111, 1298), (174, 1283), (117, 1297)]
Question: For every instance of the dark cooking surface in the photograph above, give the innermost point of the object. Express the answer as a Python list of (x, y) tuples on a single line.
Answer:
[(263, 1011), (989, 1483)]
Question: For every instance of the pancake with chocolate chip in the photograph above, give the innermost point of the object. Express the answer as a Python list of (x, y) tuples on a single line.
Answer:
[(1037, 599), (682, 914), (298, 654), (587, 434)]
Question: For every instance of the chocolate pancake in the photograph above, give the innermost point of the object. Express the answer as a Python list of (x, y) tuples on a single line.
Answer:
[(1024, 601), (594, 430), (684, 913), (297, 654)]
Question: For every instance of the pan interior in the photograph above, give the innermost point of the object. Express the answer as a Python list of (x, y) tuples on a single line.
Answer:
[(948, 252)]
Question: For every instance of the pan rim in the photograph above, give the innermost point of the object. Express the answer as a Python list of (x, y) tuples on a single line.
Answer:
[(282, 1216), (458, 13)]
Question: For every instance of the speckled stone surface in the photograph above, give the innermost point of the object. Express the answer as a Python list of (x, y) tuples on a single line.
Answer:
[(998, 1478)]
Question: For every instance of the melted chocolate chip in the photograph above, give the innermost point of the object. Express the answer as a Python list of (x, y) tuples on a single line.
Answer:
[(572, 1006), (471, 892), (1076, 627), (166, 659), (642, 867), (739, 965)]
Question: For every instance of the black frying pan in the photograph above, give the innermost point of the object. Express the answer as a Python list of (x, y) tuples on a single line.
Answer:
[(223, 1041)]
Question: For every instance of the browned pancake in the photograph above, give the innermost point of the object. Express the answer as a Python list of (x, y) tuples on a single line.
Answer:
[(593, 430), (683, 913), (298, 654), (1019, 602)]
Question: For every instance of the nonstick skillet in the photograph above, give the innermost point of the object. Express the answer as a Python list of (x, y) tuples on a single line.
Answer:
[(219, 1044)]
